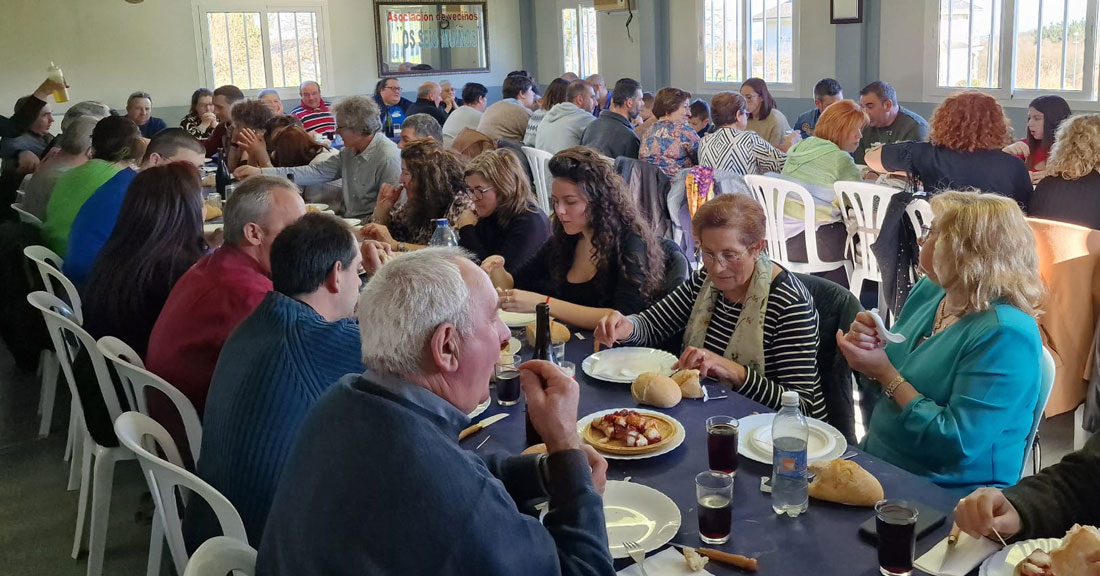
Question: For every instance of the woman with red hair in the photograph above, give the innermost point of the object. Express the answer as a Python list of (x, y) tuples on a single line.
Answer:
[(964, 151)]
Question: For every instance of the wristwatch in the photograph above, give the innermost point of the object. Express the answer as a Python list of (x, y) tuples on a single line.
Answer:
[(892, 387)]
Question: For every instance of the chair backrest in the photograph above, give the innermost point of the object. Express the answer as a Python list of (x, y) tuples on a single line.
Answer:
[(56, 283), (218, 555), (863, 207), (135, 379), (68, 339), (920, 214), (540, 173), (677, 268), (1046, 384), (26, 217), (142, 435), (773, 193)]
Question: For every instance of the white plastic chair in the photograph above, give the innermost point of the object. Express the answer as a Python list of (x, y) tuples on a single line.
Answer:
[(142, 435), (57, 284), (26, 217), (772, 194), (864, 210), (218, 555), (68, 338), (1034, 451), (920, 214), (540, 173)]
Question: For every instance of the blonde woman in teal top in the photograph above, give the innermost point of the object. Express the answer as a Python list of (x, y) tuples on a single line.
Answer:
[(960, 393)]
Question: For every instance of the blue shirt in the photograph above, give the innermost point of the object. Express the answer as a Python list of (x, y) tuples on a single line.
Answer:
[(807, 121), (94, 224), (978, 386)]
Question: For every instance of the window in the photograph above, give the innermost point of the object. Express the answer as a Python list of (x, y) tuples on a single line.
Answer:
[(261, 49), (1018, 46), (578, 30), (747, 38)]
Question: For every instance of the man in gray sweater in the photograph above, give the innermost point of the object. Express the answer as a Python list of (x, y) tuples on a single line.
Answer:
[(377, 482)]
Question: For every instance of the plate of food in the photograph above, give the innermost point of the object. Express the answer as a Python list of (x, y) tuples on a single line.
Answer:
[(315, 207), (1073, 554), (481, 408), (825, 442), (637, 513), (353, 222), (516, 319), (631, 434), (624, 365)]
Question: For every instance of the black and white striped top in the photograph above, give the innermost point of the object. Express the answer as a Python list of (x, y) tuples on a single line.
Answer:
[(744, 152), (790, 338)]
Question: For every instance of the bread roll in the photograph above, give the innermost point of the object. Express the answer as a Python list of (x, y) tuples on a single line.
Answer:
[(558, 333), (213, 212), (1081, 544), (694, 561), (536, 449), (845, 482), (656, 390), (688, 380)]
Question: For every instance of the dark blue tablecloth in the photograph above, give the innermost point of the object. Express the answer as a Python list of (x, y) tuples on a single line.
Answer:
[(822, 542)]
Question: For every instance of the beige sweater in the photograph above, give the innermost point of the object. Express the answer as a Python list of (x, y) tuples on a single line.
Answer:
[(771, 128), (505, 119)]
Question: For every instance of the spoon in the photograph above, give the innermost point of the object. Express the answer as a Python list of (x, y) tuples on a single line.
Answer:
[(883, 332)]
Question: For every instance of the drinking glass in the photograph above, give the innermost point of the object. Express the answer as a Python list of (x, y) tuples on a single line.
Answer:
[(895, 523), (507, 375), (714, 496), (559, 352), (214, 200), (722, 444), (568, 367)]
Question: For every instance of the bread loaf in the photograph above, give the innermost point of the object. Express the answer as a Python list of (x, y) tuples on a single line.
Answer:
[(1080, 546), (535, 449), (656, 390), (845, 482), (558, 333), (688, 381)]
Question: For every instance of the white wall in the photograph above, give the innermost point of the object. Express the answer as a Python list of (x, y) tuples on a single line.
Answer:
[(109, 48), (619, 56)]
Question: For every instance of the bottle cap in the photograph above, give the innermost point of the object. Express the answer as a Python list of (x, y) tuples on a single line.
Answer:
[(442, 222), (790, 398)]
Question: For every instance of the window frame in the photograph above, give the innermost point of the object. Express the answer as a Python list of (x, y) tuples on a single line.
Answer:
[(1086, 99), (778, 89), (578, 6), (200, 9)]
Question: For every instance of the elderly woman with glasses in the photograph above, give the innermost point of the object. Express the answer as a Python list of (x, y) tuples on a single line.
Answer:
[(732, 146), (504, 219), (960, 393), (746, 320)]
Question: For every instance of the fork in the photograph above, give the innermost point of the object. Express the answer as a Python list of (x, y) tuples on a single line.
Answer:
[(637, 554)]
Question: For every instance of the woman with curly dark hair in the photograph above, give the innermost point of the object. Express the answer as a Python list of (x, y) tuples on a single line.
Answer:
[(432, 180), (601, 256), (969, 129)]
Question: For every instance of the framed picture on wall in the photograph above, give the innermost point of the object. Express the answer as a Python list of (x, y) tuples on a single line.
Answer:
[(845, 11), (422, 38)]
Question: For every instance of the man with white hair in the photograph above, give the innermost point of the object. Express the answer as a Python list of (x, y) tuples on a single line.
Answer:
[(367, 160), (419, 127), (428, 98), (451, 101), (314, 111), (377, 482)]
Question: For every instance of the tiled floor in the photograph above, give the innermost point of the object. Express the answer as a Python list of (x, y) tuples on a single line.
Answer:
[(38, 516)]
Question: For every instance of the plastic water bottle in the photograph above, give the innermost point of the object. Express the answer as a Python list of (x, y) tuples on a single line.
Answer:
[(444, 235), (790, 434)]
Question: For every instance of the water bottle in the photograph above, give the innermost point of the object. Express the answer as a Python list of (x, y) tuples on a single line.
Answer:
[(790, 434), (444, 235)]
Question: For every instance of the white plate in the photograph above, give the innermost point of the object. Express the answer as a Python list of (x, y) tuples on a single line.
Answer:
[(820, 443), (211, 228), (623, 365), (317, 207), (670, 444), (481, 407), (516, 319), (514, 346), (353, 221), (637, 513), (1004, 562), (748, 426)]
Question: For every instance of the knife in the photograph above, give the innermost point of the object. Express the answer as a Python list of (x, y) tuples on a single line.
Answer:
[(483, 424), (742, 562)]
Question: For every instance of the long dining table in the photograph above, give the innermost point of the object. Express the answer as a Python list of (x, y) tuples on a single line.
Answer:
[(824, 541)]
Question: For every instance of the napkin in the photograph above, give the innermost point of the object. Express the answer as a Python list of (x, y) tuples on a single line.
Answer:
[(968, 553), (670, 562)]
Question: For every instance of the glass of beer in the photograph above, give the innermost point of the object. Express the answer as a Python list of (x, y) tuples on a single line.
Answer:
[(507, 375), (895, 523), (722, 444), (714, 496)]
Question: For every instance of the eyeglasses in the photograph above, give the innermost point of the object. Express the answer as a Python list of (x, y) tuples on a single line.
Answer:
[(397, 88), (478, 193), (726, 258), (925, 232)]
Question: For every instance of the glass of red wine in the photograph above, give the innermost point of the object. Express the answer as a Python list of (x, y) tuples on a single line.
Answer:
[(507, 375), (722, 444), (895, 522), (714, 496)]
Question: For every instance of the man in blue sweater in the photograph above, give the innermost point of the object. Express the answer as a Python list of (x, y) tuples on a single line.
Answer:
[(300, 340), (377, 483)]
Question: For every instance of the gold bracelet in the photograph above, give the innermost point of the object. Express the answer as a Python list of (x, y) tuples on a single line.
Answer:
[(893, 386)]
